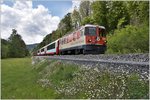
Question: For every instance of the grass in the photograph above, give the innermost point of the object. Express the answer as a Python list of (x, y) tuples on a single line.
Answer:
[(63, 73), (52, 79), (19, 80)]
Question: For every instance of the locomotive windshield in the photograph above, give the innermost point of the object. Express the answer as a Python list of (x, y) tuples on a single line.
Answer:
[(91, 31)]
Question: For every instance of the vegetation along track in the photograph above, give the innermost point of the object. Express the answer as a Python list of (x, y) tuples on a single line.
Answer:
[(123, 63)]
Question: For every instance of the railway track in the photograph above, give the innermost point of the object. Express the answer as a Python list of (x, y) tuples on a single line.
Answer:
[(101, 61), (136, 63)]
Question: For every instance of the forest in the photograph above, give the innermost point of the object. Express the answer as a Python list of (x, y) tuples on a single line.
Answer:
[(126, 22)]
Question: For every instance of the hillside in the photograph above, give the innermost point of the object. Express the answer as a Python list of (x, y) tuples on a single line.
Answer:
[(31, 46)]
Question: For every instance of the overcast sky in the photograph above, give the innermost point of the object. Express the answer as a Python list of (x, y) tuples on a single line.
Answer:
[(33, 20)]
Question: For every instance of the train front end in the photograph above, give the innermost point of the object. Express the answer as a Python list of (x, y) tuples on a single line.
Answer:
[(95, 39)]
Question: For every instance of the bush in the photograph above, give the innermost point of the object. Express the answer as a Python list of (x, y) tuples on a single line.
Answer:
[(131, 39)]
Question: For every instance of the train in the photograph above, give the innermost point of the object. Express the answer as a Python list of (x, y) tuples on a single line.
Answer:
[(88, 39)]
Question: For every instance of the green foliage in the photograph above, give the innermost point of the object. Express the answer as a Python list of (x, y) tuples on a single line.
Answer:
[(117, 12), (100, 13), (76, 18), (87, 20), (84, 9), (110, 13), (63, 73), (4, 48), (40, 66), (67, 23), (129, 40), (55, 71), (14, 47), (136, 89), (121, 22), (17, 47), (138, 11)]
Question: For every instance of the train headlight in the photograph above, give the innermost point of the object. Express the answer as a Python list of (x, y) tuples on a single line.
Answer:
[(90, 40)]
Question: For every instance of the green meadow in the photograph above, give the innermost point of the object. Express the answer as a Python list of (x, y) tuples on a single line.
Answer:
[(19, 80)]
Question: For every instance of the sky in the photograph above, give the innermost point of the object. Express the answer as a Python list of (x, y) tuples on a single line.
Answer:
[(33, 20)]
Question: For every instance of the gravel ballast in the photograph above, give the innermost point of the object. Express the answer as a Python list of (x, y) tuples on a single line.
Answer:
[(142, 70)]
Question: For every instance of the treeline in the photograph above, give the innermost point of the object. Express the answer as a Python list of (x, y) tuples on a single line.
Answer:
[(13, 47), (122, 19)]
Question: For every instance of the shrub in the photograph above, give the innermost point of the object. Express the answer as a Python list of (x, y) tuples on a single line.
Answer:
[(131, 39)]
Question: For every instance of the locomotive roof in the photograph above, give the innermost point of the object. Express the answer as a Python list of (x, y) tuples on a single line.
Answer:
[(102, 27), (89, 25)]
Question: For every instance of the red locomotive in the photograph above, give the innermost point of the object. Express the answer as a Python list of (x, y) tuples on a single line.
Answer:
[(89, 39)]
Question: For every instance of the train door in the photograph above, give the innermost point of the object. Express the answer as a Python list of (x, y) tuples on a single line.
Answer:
[(57, 47)]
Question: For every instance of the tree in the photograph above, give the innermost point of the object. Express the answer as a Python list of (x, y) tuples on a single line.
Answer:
[(66, 22), (138, 11), (76, 18), (85, 9), (100, 13), (17, 47), (111, 14)]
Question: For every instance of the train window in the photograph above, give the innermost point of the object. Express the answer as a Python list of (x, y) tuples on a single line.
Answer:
[(65, 40), (42, 50), (61, 41), (102, 32), (52, 46), (91, 31), (82, 32)]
